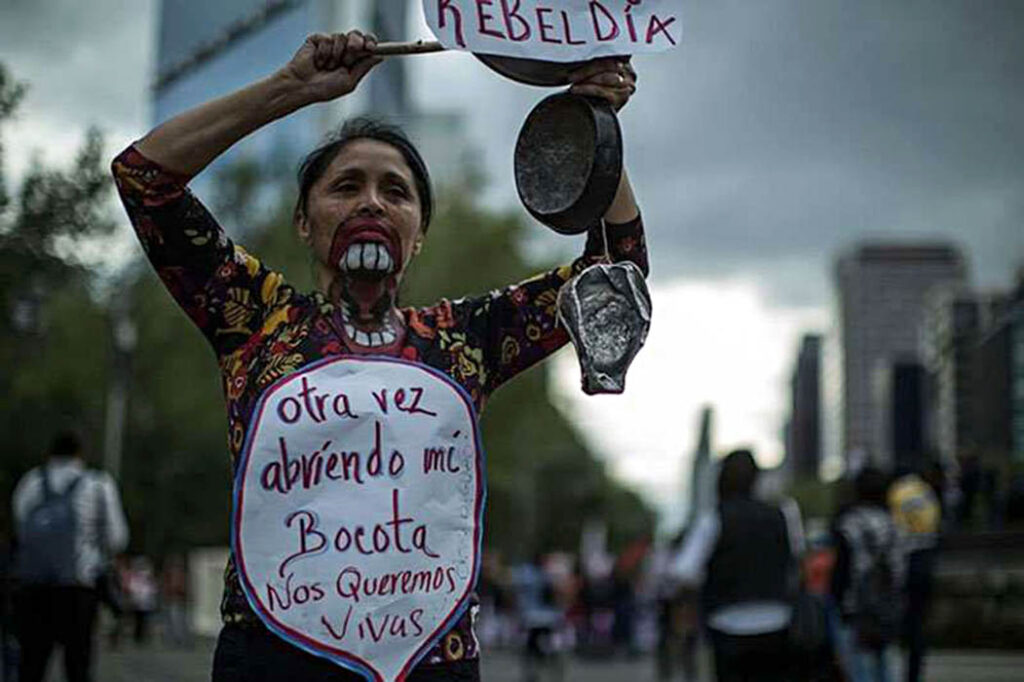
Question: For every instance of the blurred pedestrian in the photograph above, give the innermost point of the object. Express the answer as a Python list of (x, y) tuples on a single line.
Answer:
[(867, 580), (815, 638), (142, 594), (677, 617), (626, 574), (66, 518), (744, 553), (540, 617), (120, 570), (8, 640), (916, 509), (174, 599)]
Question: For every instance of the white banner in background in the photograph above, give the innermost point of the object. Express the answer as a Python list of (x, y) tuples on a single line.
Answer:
[(358, 507), (556, 30)]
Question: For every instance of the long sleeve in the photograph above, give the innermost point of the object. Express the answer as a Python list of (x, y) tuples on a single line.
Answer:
[(841, 570), (24, 495), (116, 526), (794, 527), (224, 290), (689, 564)]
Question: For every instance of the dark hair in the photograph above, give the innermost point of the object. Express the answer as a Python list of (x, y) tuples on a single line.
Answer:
[(870, 486), (737, 475), (65, 444), (316, 162)]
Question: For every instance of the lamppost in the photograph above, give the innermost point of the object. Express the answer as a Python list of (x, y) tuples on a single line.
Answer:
[(124, 337)]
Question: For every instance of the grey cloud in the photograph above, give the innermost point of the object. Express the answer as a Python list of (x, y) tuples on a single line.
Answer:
[(780, 131), (85, 62), (784, 130)]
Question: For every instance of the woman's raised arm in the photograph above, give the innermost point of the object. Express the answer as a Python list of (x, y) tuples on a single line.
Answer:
[(324, 68)]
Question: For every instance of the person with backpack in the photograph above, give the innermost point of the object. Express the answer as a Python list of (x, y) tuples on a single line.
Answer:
[(867, 580), (745, 554), (914, 501), (67, 519)]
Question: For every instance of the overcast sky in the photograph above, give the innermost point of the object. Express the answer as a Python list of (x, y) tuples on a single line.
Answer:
[(779, 133)]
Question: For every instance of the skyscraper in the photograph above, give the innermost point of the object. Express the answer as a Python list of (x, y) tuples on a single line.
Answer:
[(206, 50), (899, 399), (703, 472), (949, 336), (882, 290), (803, 432), (999, 381)]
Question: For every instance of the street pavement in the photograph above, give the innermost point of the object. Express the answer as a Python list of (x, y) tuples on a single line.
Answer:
[(155, 663)]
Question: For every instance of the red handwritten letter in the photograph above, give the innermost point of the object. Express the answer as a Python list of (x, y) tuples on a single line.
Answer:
[(443, 5), (482, 16), (512, 14), (612, 34), (657, 26)]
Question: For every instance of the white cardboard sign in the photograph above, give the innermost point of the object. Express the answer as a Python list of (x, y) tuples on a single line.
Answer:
[(358, 511), (556, 30)]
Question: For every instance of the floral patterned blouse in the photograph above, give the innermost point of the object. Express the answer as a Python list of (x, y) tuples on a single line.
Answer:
[(261, 328)]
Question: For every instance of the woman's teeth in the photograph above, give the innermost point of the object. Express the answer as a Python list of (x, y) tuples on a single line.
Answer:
[(370, 339), (384, 337), (368, 256)]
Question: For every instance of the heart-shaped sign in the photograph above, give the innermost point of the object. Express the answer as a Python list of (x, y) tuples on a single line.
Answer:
[(358, 511)]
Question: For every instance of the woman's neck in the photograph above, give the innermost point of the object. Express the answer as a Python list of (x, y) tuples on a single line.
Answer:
[(367, 309)]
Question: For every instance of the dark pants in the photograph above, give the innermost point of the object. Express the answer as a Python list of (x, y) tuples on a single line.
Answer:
[(254, 654), (538, 642), (62, 615), (920, 571), (751, 658), (677, 640)]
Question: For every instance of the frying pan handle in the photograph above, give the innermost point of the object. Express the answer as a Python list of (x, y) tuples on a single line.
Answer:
[(413, 47)]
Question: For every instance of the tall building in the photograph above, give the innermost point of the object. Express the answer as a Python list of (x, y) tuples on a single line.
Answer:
[(900, 400), (999, 382), (703, 473), (832, 460), (803, 431), (949, 335), (882, 290), (205, 50)]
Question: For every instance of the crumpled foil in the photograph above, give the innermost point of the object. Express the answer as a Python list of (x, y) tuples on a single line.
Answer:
[(607, 311)]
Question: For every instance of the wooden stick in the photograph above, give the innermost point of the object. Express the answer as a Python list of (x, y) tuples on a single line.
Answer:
[(414, 47)]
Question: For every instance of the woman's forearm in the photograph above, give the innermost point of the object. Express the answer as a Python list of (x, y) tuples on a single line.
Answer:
[(623, 208), (187, 143)]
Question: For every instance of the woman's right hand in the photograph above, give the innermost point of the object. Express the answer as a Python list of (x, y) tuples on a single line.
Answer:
[(329, 66)]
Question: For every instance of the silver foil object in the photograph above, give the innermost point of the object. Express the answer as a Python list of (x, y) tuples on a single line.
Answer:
[(607, 311)]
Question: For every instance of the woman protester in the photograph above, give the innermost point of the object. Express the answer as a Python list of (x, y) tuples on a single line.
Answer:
[(363, 210)]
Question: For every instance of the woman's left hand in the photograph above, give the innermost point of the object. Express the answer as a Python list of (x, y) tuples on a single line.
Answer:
[(610, 78)]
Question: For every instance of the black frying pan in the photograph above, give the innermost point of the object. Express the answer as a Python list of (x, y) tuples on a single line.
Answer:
[(568, 161)]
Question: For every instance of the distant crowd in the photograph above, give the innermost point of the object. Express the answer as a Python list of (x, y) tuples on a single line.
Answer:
[(770, 602)]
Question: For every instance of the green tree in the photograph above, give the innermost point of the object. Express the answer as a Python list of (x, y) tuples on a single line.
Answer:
[(53, 331)]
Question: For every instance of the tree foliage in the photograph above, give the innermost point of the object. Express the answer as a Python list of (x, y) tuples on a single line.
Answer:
[(53, 333)]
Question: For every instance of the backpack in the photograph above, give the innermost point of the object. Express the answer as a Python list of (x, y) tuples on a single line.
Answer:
[(46, 547), (876, 597)]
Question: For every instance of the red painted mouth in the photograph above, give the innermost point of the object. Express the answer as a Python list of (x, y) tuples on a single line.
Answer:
[(366, 230)]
